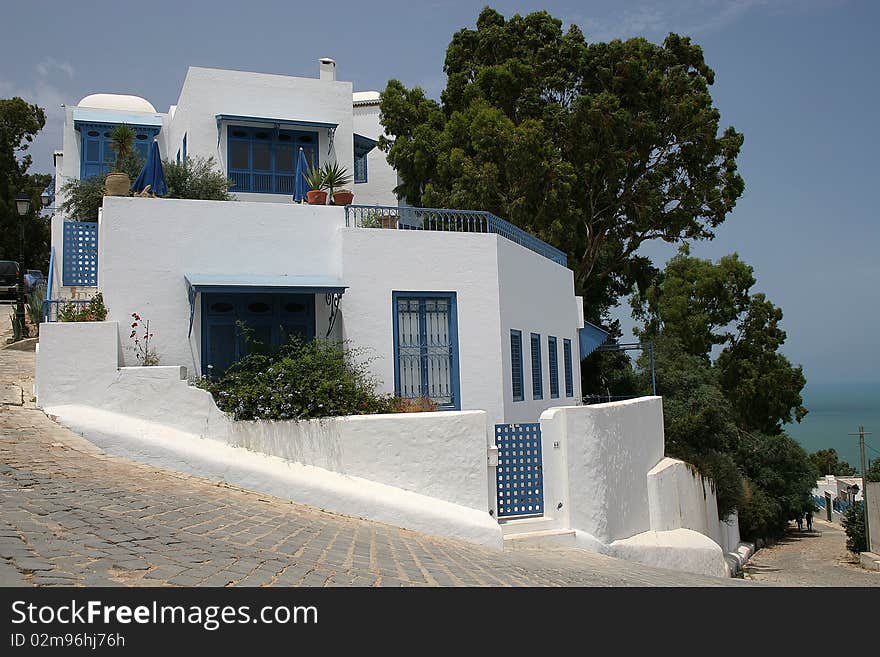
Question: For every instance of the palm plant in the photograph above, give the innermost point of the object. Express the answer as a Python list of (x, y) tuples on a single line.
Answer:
[(122, 139), (315, 178), (335, 177)]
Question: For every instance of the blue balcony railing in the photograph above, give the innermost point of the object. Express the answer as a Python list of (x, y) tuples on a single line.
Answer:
[(458, 221)]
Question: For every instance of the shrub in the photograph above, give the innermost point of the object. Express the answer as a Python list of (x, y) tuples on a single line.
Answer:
[(854, 524), (298, 381), (142, 349), (197, 178), (83, 198), (93, 311), (417, 405)]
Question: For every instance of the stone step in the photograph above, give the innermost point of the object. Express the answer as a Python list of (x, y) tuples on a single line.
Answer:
[(520, 525), (557, 537)]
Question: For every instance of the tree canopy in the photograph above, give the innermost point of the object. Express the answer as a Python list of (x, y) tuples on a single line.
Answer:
[(19, 124), (727, 391), (594, 147)]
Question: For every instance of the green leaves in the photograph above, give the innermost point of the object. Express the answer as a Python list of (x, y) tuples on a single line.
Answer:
[(595, 147)]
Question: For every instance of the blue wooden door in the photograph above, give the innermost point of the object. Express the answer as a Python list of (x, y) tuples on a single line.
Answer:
[(237, 324)]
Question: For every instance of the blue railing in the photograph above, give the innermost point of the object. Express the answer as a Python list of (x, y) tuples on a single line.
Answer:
[(457, 221), (52, 306)]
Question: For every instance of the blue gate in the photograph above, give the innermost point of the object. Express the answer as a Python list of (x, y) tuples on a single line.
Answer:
[(80, 254), (519, 477)]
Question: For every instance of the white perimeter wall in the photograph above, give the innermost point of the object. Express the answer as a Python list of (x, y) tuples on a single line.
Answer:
[(146, 246), (599, 469), (436, 462), (536, 296)]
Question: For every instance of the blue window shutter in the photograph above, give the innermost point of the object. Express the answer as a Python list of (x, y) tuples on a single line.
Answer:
[(516, 364), (569, 378), (184, 148), (554, 368), (537, 378)]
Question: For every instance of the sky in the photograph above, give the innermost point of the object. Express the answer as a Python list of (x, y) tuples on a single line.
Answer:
[(798, 77)]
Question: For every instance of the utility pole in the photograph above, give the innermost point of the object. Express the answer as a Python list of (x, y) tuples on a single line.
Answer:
[(861, 434)]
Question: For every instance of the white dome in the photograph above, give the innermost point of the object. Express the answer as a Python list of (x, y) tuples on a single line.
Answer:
[(117, 102)]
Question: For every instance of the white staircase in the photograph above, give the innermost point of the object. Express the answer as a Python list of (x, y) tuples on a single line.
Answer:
[(529, 532)]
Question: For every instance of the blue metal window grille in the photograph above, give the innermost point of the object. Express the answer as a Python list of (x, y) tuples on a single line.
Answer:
[(516, 364), (519, 479), (80, 255), (554, 367), (569, 378), (537, 377), (183, 149), (426, 347), (263, 160), (97, 157)]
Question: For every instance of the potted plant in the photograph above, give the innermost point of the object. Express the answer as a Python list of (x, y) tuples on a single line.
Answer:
[(315, 179), (118, 183), (336, 177)]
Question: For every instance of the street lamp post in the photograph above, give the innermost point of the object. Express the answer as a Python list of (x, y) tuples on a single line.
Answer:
[(23, 205)]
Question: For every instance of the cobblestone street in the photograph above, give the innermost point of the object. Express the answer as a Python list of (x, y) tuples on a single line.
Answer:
[(72, 515), (817, 558)]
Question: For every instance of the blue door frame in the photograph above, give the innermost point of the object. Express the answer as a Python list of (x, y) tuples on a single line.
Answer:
[(270, 316)]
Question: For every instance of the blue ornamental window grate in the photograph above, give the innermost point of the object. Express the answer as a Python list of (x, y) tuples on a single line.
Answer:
[(80, 255), (554, 367), (537, 378), (569, 378), (516, 364), (519, 478)]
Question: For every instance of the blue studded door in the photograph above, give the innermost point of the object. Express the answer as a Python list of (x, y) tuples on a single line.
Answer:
[(519, 478)]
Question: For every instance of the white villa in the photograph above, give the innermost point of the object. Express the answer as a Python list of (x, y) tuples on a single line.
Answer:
[(459, 306)]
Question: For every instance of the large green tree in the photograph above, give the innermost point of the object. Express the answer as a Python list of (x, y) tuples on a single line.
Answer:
[(595, 147), (19, 124)]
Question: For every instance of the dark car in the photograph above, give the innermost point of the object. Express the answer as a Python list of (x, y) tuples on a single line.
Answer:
[(8, 279)]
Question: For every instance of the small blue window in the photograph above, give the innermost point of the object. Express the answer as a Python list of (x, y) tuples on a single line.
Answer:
[(569, 379), (184, 148), (516, 364), (537, 379), (554, 367), (360, 168)]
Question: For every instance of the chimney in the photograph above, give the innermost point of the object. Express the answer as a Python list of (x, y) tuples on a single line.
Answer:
[(327, 69)]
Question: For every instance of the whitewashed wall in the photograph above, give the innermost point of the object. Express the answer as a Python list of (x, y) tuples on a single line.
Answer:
[(207, 92), (381, 177), (146, 246), (607, 450), (605, 477), (536, 296), (377, 262), (425, 471)]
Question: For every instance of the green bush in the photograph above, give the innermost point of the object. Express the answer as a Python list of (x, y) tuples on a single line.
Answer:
[(83, 198), (299, 381), (197, 178), (93, 311), (34, 306), (854, 525)]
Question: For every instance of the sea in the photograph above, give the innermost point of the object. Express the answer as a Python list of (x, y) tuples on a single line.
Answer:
[(835, 411)]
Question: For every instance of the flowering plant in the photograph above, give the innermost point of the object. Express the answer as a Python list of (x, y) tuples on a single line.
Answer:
[(143, 351)]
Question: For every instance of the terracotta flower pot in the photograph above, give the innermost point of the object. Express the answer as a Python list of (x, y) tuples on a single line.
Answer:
[(117, 184), (316, 197), (342, 198)]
